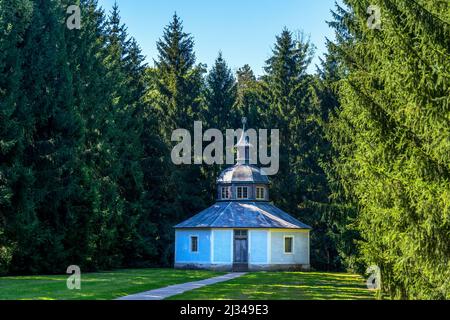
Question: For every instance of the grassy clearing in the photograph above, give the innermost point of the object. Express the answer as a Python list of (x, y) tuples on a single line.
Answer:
[(96, 286), (252, 286), (285, 286)]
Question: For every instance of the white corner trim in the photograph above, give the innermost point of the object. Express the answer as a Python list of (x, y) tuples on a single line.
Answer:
[(232, 246), (176, 247), (309, 248), (211, 238), (249, 249)]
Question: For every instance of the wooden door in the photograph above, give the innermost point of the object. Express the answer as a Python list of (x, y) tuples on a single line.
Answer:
[(240, 261)]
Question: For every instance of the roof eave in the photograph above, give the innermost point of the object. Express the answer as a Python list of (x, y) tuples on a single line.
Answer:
[(240, 227)]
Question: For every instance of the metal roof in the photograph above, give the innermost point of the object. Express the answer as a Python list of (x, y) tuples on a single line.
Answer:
[(243, 173), (243, 215)]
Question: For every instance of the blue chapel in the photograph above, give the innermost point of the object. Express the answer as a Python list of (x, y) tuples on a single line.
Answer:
[(243, 230)]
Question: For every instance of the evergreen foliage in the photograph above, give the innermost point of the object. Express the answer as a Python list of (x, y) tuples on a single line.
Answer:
[(391, 134), (178, 99), (219, 111), (86, 175)]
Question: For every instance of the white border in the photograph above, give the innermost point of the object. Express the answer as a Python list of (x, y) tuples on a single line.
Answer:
[(249, 246), (309, 248), (232, 246), (211, 244), (176, 247)]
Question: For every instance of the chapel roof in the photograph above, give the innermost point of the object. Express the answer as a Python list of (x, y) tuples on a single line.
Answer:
[(244, 214)]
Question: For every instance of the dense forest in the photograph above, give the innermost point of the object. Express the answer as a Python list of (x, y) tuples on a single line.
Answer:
[(85, 140)]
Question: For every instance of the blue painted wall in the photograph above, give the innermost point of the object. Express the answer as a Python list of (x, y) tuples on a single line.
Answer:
[(223, 245), (301, 253), (182, 246), (222, 251), (258, 246)]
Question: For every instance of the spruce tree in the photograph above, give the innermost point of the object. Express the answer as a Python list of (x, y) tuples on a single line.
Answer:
[(391, 134), (289, 104), (179, 78), (179, 84), (285, 95), (95, 224), (220, 110), (15, 16), (247, 100), (337, 250), (50, 144), (221, 96)]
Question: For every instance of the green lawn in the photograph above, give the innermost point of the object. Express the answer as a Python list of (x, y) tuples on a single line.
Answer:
[(285, 286), (104, 285), (252, 286)]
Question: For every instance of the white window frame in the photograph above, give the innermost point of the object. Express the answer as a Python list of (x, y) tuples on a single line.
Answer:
[(227, 192), (190, 243), (242, 193), (260, 191), (292, 244)]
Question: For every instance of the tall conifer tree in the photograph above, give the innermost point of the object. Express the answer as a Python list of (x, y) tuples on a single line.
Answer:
[(300, 187), (247, 100), (221, 96), (15, 179), (50, 152), (179, 86), (392, 137)]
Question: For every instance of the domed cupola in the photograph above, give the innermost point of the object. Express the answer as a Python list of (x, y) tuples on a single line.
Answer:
[(243, 181)]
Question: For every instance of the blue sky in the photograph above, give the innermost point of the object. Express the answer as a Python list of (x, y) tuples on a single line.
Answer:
[(244, 30)]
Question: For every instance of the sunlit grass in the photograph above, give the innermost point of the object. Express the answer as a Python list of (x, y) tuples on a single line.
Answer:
[(285, 286), (252, 286), (96, 286)]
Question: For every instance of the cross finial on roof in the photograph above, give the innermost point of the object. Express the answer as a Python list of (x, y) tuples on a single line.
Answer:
[(244, 139), (243, 146)]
